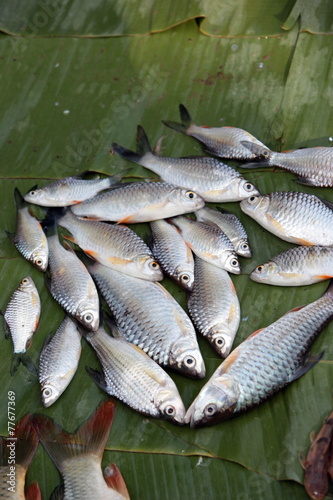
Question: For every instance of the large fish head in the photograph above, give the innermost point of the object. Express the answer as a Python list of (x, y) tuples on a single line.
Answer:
[(88, 315), (185, 277), (170, 404), (230, 262), (39, 259), (36, 196), (187, 359), (188, 200), (255, 205), (221, 339), (27, 285), (246, 189), (243, 248), (50, 392), (148, 268), (215, 402), (265, 272)]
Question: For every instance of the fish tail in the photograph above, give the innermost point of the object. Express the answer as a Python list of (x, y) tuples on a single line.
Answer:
[(19, 200), (24, 358), (185, 118), (90, 438), (33, 492), (25, 444), (115, 480)]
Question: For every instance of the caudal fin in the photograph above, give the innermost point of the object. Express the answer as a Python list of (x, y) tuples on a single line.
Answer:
[(90, 438), (185, 118), (33, 492), (142, 145), (23, 440), (115, 480), (24, 358)]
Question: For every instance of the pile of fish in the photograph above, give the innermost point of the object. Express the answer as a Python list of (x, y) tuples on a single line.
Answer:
[(150, 330)]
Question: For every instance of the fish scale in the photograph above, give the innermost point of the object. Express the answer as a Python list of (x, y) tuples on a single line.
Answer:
[(148, 316), (293, 216), (264, 363)]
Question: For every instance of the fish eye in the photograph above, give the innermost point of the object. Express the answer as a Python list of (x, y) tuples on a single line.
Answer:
[(32, 193), (25, 281), (265, 153), (210, 410), (244, 246), (248, 186), (47, 392), (185, 278), (154, 265), (170, 410), (189, 361), (190, 195), (88, 318), (39, 262), (252, 199), (260, 269), (234, 263), (219, 341)]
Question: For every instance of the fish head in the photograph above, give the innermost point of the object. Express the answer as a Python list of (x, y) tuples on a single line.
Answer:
[(215, 402), (185, 277), (88, 315), (187, 359), (50, 392), (221, 339), (230, 262), (40, 259), (187, 199), (255, 205), (35, 195), (149, 268), (264, 272), (246, 189), (243, 248), (170, 404)]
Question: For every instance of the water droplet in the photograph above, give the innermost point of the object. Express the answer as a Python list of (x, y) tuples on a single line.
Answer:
[(57, 65), (199, 462), (245, 318), (330, 139), (66, 111), (56, 103), (234, 47), (261, 65)]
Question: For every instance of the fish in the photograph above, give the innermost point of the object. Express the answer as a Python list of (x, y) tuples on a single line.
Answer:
[(112, 245), (298, 266), (225, 142), (209, 243), (313, 166), (139, 202), (69, 190), (29, 237), (70, 283), (59, 360), (21, 317), (17, 452), (316, 477), (78, 456), (214, 306), (264, 363), (147, 315), (172, 253), (208, 177), (131, 376), (230, 225), (296, 217)]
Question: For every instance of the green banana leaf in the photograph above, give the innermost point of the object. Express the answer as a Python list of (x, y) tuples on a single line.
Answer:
[(69, 89)]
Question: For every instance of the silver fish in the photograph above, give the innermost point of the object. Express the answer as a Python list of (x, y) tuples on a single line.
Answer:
[(313, 166), (78, 456), (209, 243), (225, 142), (16, 454), (148, 316), (139, 202), (130, 375), (29, 238), (71, 284), (299, 218), (21, 320), (172, 253), (68, 191), (268, 360), (114, 246), (230, 225), (297, 266), (208, 177), (214, 307), (59, 360)]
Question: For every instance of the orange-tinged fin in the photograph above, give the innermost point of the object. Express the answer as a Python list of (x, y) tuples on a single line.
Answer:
[(254, 333), (323, 276), (115, 480), (309, 361), (205, 126), (69, 238), (230, 360), (298, 308), (33, 492), (92, 253), (307, 243), (26, 442), (91, 437), (127, 220)]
